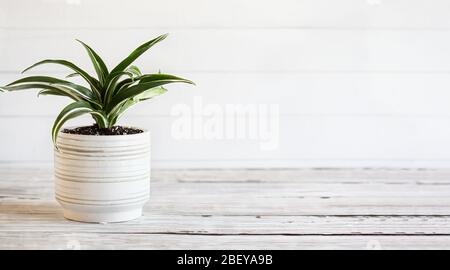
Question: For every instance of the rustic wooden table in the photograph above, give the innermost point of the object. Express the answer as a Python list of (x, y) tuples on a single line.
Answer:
[(243, 209)]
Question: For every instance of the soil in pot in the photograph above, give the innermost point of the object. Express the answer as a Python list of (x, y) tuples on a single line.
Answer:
[(96, 130)]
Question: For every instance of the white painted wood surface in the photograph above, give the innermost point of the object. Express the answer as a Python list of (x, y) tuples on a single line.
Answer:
[(243, 209), (233, 13), (300, 145), (366, 79)]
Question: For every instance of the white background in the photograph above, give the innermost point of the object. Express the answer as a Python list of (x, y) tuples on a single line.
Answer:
[(359, 82)]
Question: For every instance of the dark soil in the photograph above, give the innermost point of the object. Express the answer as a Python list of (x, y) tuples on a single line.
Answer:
[(95, 130)]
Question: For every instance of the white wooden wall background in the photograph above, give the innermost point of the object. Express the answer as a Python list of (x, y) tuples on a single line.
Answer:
[(359, 82)]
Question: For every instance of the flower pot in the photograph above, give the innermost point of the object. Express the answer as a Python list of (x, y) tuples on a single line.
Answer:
[(102, 178)]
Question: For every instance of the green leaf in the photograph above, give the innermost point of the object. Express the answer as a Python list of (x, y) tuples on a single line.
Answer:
[(112, 85), (147, 78), (94, 83), (136, 53), (62, 91), (74, 91), (109, 96), (83, 91), (40, 79), (157, 77), (97, 62), (151, 93), (49, 92), (124, 84), (83, 97), (148, 94), (151, 81), (71, 111), (75, 74), (132, 101), (134, 70)]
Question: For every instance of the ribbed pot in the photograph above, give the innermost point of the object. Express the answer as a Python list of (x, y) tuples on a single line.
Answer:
[(102, 178)]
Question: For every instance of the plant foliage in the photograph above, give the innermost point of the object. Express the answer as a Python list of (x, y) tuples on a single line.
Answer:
[(106, 96)]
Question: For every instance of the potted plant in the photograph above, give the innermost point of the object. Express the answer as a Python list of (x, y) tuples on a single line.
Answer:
[(102, 171)]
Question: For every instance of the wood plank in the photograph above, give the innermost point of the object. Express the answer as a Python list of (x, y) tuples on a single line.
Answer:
[(303, 141), (362, 94), (40, 175), (48, 218), (233, 13), (344, 176), (261, 196), (239, 209), (27, 240), (199, 50)]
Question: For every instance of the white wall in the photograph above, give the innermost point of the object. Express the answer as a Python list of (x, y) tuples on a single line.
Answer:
[(359, 82)]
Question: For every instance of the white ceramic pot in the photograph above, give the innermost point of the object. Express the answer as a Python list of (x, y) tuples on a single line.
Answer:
[(102, 178)]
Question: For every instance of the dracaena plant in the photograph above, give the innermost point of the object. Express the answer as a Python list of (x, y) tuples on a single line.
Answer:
[(106, 97)]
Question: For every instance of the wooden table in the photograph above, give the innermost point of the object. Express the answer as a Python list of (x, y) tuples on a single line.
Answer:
[(243, 209)]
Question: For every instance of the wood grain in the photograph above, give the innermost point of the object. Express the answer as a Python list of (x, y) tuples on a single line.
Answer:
[(377, 141), (380, 87), (230, 14), (26, 240), (243, 209), (387, 60), (219, 51), (413, 95)]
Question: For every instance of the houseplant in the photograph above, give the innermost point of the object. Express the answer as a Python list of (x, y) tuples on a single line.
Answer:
[(102, 172)]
